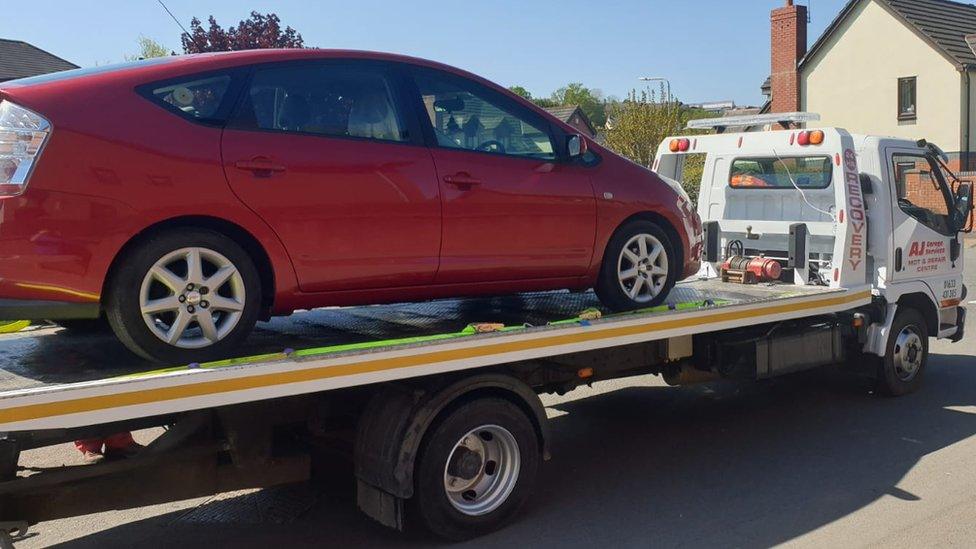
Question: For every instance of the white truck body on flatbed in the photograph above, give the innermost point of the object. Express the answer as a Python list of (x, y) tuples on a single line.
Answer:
[(142, 394)]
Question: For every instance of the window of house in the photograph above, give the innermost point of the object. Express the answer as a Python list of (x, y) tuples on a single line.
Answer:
[(921, 192), (322, 99), (466, 116), (907, 99), (808, 172)]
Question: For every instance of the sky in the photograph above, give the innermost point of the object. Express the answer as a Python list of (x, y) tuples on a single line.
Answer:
[(710, 50)]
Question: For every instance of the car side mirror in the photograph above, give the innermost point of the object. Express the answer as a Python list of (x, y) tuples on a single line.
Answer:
[(963, 208), (576, 145)]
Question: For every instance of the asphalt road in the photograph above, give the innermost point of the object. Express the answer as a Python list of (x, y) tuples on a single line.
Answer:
[(806, 460)]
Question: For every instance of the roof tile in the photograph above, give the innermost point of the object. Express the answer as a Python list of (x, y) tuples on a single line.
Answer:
[(20, 60)]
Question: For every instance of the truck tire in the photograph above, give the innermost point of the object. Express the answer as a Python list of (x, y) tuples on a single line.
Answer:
[(475, 468), (639, 267), (906, 354), (168, 311)]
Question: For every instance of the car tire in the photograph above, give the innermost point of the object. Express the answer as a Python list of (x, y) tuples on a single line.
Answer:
[(628, 263), (462, 513), (899, 372), (165, 312)]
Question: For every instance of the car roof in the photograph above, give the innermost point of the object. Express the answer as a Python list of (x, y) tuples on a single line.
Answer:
[(243, 57), (135, 73), (174, 66)]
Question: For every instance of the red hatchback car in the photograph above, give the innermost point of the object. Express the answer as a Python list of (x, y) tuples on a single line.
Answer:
[(185, 198)]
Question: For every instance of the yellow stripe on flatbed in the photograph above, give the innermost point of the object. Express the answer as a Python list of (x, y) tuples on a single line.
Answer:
[(148, 396)]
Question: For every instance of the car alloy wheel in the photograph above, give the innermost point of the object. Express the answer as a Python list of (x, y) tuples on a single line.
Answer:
[(192, 298), (642, 268)]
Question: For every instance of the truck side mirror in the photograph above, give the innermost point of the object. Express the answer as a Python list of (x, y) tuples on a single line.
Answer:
[(963, 208), (866, 187)]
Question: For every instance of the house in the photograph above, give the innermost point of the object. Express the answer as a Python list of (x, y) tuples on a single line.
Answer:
[(20, 60), (901, 68), (575, 117)]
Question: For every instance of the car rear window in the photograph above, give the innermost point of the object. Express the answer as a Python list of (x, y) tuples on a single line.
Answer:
[(206, 98), (807, 172), (199, 99), (323, 99)]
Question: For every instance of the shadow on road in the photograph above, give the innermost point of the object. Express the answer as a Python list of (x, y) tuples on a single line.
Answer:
[(744, 465)]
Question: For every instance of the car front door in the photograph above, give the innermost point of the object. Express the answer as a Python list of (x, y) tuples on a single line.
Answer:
[(512, 209), (923, 239), (324, 154)]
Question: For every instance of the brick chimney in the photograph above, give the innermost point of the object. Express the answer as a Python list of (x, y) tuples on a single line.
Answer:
[(789, 45)]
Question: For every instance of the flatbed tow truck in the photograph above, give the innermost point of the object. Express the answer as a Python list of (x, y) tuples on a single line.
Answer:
[(441, 398)]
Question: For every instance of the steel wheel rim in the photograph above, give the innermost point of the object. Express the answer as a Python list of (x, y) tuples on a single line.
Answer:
[(908, 352), (482, 470), (192, 298), (642, 268)]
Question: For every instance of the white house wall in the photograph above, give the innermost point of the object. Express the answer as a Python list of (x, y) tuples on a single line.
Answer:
[(853, 80)]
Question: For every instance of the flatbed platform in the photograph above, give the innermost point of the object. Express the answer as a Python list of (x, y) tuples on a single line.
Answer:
[(52, 379)]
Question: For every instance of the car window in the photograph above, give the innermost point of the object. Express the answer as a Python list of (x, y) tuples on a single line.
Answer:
[(327, 100), (812, 172), (920, 191), (199, 98), (467, 116)]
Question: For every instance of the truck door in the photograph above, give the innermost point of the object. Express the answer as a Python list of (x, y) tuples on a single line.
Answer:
[(922, 238)]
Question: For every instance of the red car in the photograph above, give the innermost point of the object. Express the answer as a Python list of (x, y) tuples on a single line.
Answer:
[(185, 198)]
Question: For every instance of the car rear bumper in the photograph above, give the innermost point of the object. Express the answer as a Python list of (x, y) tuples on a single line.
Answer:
[(29, 309)]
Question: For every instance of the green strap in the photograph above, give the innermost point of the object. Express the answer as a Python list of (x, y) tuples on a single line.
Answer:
[(11, 326), (470, 330)]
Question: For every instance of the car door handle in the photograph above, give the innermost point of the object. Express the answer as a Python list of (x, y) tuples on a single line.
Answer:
[(462, 180), (260, 166)]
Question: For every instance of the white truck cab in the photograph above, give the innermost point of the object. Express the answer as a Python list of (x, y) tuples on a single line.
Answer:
[(836, 209)]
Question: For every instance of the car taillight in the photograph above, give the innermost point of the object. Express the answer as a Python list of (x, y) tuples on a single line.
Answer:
[(22, 136)]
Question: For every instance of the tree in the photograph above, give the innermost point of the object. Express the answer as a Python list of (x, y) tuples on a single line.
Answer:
[(521, 92), (258, 32), (546, 102), (639, 124), (590, 100), (149, 48)]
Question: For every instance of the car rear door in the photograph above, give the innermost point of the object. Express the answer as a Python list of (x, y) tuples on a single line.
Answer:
[(512, 209), (325, 154)]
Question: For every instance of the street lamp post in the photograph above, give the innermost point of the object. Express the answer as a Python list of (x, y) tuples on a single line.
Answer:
[(658, 79)]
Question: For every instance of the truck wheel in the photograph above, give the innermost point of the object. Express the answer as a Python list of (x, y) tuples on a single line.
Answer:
[(475, 468), (639, 267), (900, 371), (186, 295)]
